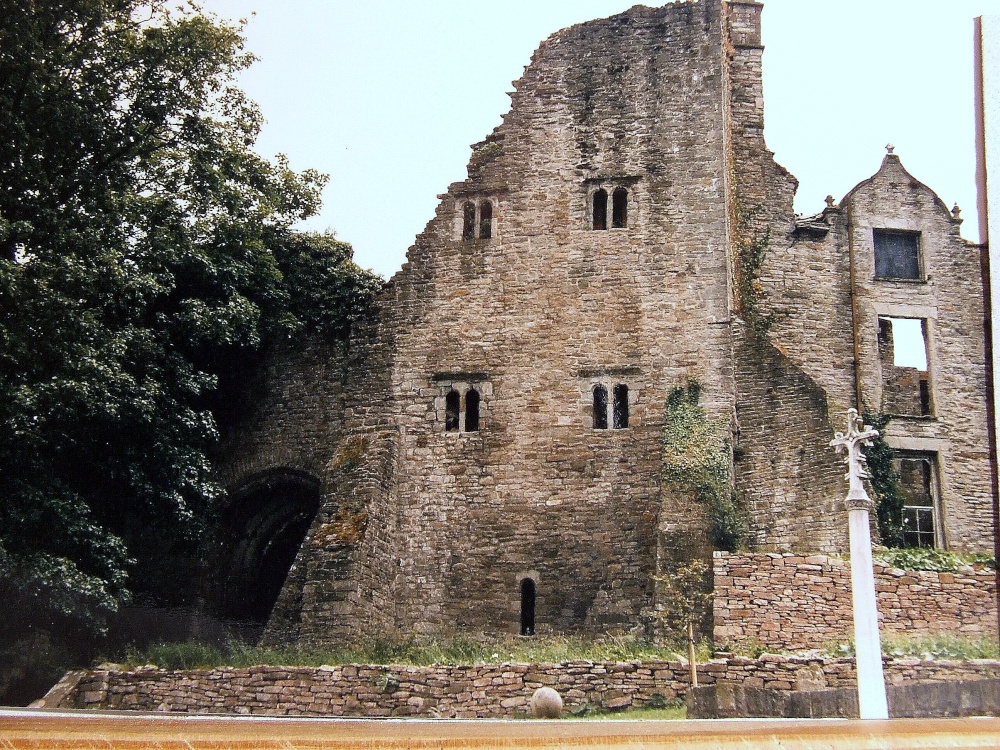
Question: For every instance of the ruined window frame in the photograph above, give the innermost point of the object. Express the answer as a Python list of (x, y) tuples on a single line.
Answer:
[(925, 384), (889, 263), (930, 512), (477, 217), (610, 405), (461, 405)]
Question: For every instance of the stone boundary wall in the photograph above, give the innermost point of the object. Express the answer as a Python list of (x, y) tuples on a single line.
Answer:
[(795, 602), (482, 691)]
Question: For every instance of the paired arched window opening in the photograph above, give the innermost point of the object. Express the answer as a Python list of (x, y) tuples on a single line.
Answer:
[(619, 407), (457, 418), (527, 606), (619, 209), (477, 220)]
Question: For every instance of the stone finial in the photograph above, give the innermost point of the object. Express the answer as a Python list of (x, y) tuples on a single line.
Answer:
[(858, 434), (889, 148), (956, 212), (829, 201)]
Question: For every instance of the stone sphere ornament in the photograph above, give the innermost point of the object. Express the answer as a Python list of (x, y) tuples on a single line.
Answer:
[(546, 704)]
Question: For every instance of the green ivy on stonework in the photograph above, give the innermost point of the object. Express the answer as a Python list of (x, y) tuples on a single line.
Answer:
[(884, 480), (939, 560), (751, 250), (696, 461)]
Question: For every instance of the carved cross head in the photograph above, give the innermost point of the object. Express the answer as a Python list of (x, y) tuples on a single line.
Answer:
[(858, 434)]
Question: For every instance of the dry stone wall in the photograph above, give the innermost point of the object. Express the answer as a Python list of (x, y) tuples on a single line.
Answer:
[(792, 602), (483, 691)]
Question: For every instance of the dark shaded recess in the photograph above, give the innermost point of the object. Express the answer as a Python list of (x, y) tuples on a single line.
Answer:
[(485, 220), (601, 209), (452, 405), (469, 221), (260, 534), (619, 208), (897, 254), (472, 411), (600, 408), (527, 607), (620, 408)]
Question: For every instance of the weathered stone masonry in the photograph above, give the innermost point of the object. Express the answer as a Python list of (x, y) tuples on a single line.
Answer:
[(482, 691), (794, 602), (600, 241)]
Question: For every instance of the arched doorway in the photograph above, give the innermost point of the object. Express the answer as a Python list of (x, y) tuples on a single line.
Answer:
[(261, 531)]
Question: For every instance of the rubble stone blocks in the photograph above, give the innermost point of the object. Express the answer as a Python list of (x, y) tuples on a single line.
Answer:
[(793, 602), (374, 690)]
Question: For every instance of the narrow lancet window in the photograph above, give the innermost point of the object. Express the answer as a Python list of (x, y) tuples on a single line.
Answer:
[(469, 221), (601, 209), (621, 407), (485, 220), (600, 408), (619, 208), (472, 411), (527, 607), (452, 406)]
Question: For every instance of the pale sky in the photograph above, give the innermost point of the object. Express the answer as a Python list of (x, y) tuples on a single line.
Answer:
[(386, 96)]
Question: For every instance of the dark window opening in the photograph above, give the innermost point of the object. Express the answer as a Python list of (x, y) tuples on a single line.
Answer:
[(452, 405), (619, 208), (527, 607), (621, 407), (918, 486), (601, 209), (903, 350), (469, 221), (485, 220), (600, 408), (472, 411), (897, 254)]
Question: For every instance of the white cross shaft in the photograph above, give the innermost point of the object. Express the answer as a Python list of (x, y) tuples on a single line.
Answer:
[(872, 702)]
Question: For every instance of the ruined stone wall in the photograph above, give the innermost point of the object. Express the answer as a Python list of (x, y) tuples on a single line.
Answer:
[(791, 603), (948, 296), (484, 691), (795, 330), (512, 294), (537, 314)]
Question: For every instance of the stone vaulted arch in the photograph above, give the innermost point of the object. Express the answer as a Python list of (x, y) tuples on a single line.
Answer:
[(260, 532)]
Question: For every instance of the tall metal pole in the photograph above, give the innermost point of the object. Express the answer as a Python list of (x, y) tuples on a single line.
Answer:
[(872, 702)]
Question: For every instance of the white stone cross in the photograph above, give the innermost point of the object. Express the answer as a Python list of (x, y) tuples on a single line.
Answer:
[(858, 434), (872, 702)]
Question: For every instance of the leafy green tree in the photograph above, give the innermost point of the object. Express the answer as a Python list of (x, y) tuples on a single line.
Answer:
[(142, 250)]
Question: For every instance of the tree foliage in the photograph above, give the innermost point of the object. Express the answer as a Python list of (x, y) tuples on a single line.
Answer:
[(143, 248)]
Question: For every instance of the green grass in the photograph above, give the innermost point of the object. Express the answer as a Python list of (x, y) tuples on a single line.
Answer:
[(940, 646), (193, 655)]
